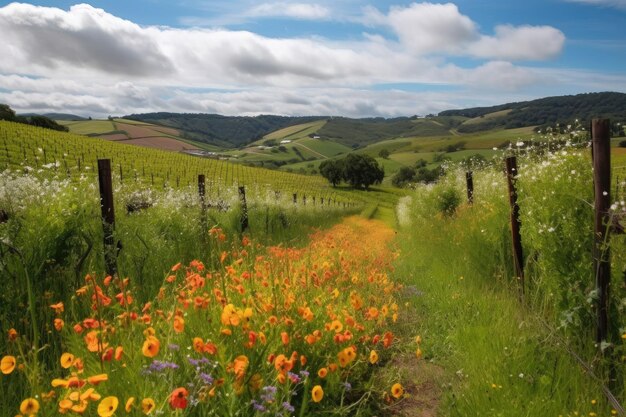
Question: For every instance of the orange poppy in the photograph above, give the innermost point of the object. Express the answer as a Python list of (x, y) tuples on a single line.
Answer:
[(151, 347), (178, 398)]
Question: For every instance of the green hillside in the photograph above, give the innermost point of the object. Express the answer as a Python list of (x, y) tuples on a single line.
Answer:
[(223, 131), (544, 112)]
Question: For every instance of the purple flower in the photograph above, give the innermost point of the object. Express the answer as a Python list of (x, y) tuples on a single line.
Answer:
[(293, 377), (258, 407), (173, 346), (304, 374), (206, 378), (288, 407), (347, 386)]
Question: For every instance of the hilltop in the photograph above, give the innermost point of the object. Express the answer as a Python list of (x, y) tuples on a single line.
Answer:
[(239, 131)]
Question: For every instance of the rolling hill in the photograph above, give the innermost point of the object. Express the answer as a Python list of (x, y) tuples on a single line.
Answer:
[(238, 132)]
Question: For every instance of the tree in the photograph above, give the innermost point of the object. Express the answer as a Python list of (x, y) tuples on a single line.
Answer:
[(384, 153), (7, 113), (332, 170), (361, 171), (404, 176)]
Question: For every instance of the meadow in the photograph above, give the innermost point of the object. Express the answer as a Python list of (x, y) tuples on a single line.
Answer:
[(387, 302)]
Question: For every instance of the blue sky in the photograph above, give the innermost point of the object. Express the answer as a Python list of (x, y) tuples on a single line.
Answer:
[(352, 58)]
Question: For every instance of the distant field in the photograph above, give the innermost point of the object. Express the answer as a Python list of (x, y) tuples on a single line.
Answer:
[(116, 136), (494, 115), (297, 131), (163, 142), (325, 147), (88, 127)]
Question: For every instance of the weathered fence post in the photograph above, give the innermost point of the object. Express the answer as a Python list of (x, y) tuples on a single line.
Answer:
[(295, 198), (121, 176), (201, 191), (108, 215), (518, 263), (601, 145), (469, 178), (244, 209), (304, 200)]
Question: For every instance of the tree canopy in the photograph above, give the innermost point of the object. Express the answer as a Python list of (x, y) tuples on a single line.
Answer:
[(360, 171)]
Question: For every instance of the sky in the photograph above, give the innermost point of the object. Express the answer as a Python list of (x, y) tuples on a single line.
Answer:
[(329, 57)]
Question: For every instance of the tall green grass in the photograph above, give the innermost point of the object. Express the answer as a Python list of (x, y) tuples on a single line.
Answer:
[(503, 355)]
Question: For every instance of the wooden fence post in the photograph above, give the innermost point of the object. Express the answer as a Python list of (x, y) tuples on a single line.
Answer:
[(295, 198), (201, 191), (601, 145), (108, 215), (244, 209), (304, 200), (470, 186), (518, 262)]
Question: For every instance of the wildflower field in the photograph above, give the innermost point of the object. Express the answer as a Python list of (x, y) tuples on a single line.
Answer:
[(316, 309), (272, 331)]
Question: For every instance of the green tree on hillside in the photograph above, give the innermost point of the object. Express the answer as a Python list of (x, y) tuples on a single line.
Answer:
[(7, 113), (332, 170), (361, 171), (384, 153), (404, 176)]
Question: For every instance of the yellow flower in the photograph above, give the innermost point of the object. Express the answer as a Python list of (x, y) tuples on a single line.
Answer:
[(7, 365), (129, 404), (147, 405), (373, 357), (67, 359), (29, 406), (107, 406), (397, 391), (317, 393)]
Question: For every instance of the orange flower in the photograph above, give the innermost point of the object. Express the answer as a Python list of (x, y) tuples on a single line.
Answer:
[(107, 406), (387, 339), (373, 357), (230, 316), (119, 351), (282, 364), (92, 341), (96, 379), (58, 324), (284, 337), (29, 406), (7, 365), (147, 405), (179, 324), (12, 334), (317, 393), (151, 347), (239, 365), (322, 372), (336, 326), (178, 398), (67, 360), (397, 391), (58, 307)]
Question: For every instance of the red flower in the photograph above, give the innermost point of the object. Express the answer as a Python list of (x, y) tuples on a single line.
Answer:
[(178, 399)]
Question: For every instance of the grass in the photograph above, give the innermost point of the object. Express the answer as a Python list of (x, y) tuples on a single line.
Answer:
[(87, 127), (294, 132)]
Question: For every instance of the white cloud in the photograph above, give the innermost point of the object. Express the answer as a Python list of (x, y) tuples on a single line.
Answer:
[(88, 61), (620, 4), (303, 11), (520, 43), (428, 28)]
